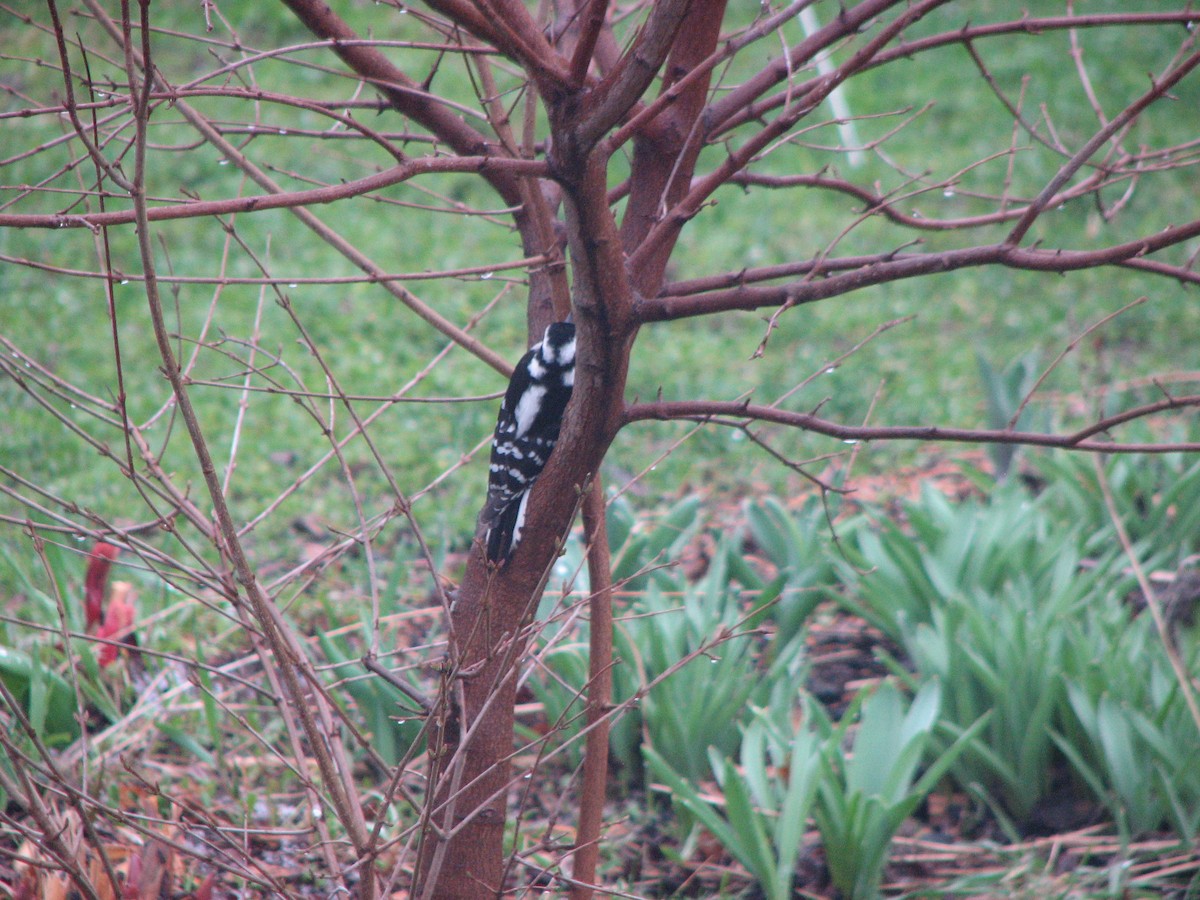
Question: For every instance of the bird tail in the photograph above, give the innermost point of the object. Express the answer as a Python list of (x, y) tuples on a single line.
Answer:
[(505, 530)]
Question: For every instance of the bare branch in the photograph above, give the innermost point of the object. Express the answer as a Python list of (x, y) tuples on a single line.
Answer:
[(592, 22), (860, 272), (1159, 88), (336, 775), (737, 414), (668, 229), (610, 101), (402, 92), (888, 206), (283, 200), (743, 105)]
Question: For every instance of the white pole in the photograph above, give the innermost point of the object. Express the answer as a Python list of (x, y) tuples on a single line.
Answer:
[(847, 133)]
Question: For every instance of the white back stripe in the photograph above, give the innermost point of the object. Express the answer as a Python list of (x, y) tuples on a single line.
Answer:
[(527, 408)]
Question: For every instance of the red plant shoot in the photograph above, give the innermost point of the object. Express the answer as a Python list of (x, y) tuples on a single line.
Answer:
[(96, 581)]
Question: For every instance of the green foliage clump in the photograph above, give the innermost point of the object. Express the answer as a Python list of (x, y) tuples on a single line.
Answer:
[(1032, 677), (1016, 605)]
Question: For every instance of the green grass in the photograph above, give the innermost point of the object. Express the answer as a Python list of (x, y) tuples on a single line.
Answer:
[(373, 345)]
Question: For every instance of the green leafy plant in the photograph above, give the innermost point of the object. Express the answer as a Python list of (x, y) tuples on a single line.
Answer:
[(690, 658), (1159, 496), (42, 694), (48, 678), (52, 676), (1134, 743), (866, 793), (766, 802), (859, 789), (1005, 389), (795, 543), (381, 707), (980, 598), (689, 653), (642, 544)]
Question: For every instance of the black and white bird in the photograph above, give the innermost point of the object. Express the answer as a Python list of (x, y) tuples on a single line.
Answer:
[(526, 432)]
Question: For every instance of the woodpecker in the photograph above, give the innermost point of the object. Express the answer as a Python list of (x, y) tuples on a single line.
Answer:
[(526, 432)]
